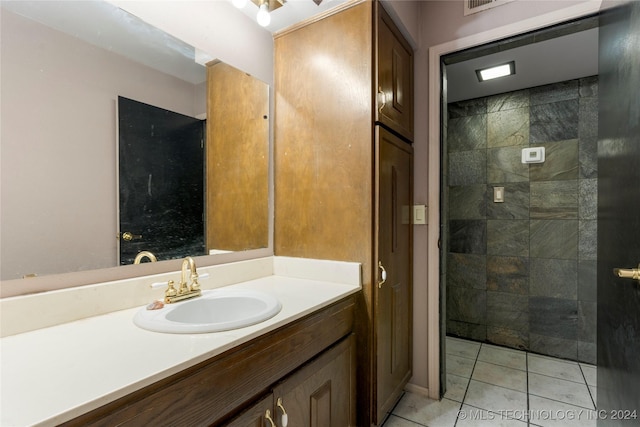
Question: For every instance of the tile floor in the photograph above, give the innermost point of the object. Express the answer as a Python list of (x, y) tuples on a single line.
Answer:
[(489, 385)]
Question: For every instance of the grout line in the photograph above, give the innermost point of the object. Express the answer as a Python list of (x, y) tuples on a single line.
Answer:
[(464, 397), (526, 365), (595, 404), (562, 379)]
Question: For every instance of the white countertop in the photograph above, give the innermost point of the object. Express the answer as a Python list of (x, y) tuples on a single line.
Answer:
[(54, 374)]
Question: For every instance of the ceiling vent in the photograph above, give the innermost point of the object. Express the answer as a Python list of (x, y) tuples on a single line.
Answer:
[(475, 6)]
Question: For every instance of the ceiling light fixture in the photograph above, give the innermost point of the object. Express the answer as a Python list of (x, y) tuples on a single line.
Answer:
[(265, 7), (263, 17), (496, 71)]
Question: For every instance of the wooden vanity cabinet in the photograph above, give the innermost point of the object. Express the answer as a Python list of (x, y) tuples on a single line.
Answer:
[(320, 394), (343, 176), (241, 380)]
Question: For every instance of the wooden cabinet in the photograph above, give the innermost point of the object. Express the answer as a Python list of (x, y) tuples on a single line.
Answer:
[(395, 78), (320, 394), (328, 200), (393, 308), (214, 391)]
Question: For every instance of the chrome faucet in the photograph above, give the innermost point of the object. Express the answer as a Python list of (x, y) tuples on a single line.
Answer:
[(144, 254)]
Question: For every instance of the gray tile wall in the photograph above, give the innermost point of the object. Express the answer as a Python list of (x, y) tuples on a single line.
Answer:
[(522, 273)]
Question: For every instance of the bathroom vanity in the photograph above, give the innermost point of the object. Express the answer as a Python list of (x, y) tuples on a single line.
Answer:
[(104, 370)]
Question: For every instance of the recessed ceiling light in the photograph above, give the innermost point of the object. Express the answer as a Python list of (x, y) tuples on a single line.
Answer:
[(496, 71)]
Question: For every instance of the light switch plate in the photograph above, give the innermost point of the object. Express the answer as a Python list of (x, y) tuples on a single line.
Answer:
[(419, 214), (498, 194)]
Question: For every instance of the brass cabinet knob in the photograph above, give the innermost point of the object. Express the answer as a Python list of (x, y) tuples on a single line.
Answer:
[(128, 236), (267, 416), (284, 419)]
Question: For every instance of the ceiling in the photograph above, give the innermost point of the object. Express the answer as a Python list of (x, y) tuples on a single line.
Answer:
[(105, 25), (292, 12), (553, 60), (539, 60)]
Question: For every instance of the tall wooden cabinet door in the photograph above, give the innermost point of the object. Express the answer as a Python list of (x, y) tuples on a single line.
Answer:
[(393, 316), (256, 415), (322, 394), (395, 78)]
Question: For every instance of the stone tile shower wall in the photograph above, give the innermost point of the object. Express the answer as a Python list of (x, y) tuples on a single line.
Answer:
[(522, 273)]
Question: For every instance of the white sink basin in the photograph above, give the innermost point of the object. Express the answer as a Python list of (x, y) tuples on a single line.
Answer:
[(216, 310)]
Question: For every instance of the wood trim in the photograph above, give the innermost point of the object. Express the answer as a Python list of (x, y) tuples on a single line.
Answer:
[(433, 232), (317, 17), (213, 391)]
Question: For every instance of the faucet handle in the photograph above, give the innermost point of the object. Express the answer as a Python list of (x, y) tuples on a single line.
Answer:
[(171, 291)]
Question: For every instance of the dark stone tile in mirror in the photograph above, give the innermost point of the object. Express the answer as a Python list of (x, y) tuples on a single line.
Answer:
[(468, 202), (587, 280), (467, 305), (554, 239), (553, 317), (554, 122), (508, 337), (471, 107), (553, 346), (467, 133), (508, 128), (508, 237), (467, 270), (554, 199), (468, 167), (471, 331), (556, 278), (516, 201), (554, 92), (504, 165), (588, 199), (468, 236), (588, 240), (508, 274), (508, 101), (561, 162), (506, 310)]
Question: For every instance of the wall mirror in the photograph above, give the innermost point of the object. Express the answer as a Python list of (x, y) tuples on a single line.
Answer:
[(64, 66)]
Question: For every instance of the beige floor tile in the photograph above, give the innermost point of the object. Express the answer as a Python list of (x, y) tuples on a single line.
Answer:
[(394, 421), (474, 417), (565, 391), (590, 374), (502, 376), (502, 356), (460, 366), (551, 413), (456, 387), (462, 348), (556, 368), (506, 402), (423, 410)]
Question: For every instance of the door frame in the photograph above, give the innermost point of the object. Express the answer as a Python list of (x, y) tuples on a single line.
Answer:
[(434, 158)]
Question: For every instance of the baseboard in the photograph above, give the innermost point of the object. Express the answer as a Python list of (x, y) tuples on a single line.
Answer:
[(417, 389)]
